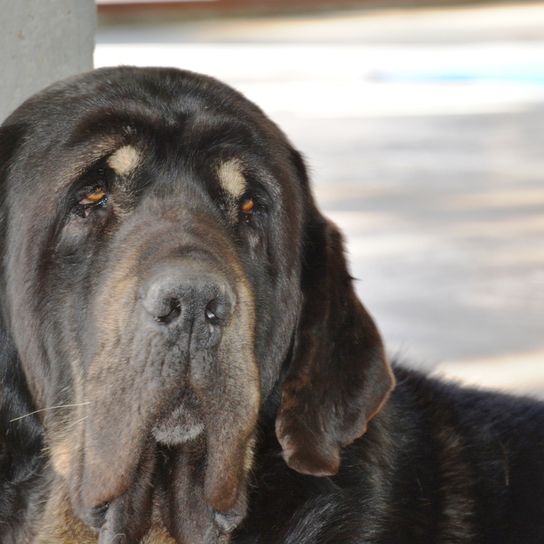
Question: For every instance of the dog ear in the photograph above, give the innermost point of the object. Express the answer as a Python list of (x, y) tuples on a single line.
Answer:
[(20, 433), (21, 441), (338, 378), (10, 137)]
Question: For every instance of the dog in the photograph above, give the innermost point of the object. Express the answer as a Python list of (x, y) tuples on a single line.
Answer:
[(183, 355)]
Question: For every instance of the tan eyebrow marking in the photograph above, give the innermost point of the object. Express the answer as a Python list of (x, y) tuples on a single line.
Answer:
[(231, 177), (124, 160)]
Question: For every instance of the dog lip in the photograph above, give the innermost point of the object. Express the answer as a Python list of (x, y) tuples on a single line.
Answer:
[(227, 522), (96, 515), (176, 435), (180, 426)]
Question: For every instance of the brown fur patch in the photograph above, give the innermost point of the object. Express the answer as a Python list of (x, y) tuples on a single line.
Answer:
[(231, 178), (158, 536), (59, 524), (124, 160), (250, 455), (61, 458)]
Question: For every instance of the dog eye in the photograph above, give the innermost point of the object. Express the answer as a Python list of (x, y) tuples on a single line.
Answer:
[(247, 208), (96, 197)]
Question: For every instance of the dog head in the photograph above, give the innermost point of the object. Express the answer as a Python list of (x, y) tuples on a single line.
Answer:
[(164, 270)]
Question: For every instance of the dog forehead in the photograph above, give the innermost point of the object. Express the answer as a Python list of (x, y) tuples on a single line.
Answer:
[(109, 100), (114, 97)]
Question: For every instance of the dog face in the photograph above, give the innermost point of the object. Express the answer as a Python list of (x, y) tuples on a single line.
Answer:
[(167, 276)]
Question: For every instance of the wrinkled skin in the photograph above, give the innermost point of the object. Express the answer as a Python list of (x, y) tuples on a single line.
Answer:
[(148, 408)]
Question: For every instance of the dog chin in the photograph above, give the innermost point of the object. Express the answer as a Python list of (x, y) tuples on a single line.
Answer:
[(181, 426)]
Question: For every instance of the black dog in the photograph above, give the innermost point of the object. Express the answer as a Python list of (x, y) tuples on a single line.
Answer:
[(184, 359)]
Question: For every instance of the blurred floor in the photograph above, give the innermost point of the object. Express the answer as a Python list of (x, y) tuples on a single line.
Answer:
[(423, 131)]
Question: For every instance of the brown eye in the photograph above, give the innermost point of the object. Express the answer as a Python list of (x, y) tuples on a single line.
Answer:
[(247, 207), (94, 198)]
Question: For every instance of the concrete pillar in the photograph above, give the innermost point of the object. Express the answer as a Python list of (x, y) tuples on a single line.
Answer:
[(42, 41)]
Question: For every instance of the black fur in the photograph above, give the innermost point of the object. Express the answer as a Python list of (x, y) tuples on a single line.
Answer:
[(440, 463)]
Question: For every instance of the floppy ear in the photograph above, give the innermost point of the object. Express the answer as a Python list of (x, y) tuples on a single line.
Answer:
[(338, 378), (10, 136), (20, 437)]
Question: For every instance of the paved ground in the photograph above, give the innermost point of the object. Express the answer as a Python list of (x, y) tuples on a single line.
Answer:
[(423, 130)]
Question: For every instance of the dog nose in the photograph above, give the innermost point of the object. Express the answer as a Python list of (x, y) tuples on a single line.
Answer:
[(180, 296)]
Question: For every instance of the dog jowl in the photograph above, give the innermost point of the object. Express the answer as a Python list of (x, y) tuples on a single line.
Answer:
[(166, 281)]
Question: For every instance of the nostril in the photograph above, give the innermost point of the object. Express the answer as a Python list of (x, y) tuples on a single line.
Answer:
[(211, 317), (171, 312), (215, 312)]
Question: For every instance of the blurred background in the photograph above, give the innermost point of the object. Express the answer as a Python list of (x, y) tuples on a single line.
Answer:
[(423, 129)]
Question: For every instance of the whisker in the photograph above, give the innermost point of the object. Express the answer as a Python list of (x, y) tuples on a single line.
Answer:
[(49, 408), (76, 422)]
